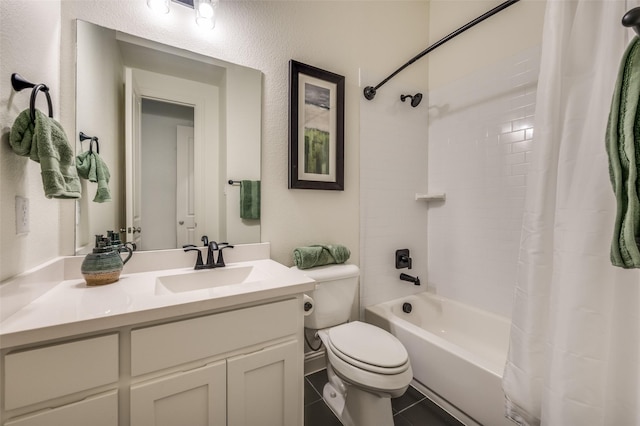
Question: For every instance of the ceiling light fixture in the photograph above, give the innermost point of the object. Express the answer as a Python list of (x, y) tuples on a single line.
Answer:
[(160, 6), (205, 10), (206, 13)]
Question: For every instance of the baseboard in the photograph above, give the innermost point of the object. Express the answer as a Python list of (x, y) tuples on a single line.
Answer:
[(314, 361)]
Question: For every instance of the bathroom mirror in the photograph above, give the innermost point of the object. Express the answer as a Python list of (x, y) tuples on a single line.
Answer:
[(173, 127)]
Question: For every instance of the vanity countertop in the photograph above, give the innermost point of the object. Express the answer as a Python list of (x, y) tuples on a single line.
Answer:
[(70, 307)]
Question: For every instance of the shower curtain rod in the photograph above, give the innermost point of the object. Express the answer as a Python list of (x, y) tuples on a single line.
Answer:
[(370, 91)]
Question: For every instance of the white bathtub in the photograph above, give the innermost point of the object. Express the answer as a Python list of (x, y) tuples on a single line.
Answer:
[(457, 353)]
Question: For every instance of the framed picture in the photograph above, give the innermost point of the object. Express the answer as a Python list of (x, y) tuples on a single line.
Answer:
[(316, 128)]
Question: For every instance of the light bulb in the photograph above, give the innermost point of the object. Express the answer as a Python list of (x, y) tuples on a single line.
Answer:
[(205, 10), (206, 13), (160, 6)]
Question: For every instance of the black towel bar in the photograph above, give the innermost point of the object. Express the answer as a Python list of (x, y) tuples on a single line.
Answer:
[(233, 182), (19, 83)]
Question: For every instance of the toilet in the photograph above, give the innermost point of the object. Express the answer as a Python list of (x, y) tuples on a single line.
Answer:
[(366, 365)]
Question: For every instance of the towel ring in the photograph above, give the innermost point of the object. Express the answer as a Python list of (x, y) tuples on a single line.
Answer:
[(19, 83), (32, 103)]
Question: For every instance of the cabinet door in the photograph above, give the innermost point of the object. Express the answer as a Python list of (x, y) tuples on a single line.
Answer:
[(195, 398), (99, 410), (263, 387)]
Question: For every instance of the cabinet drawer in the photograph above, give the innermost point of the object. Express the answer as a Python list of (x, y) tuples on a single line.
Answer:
[(168, 345), (100, 410), (40, 374)]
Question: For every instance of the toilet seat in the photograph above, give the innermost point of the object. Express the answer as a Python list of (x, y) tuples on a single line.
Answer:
[(387, 380), (368, 347)]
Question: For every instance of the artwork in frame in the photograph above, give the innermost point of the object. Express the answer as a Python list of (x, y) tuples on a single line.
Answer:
[(316, 128)]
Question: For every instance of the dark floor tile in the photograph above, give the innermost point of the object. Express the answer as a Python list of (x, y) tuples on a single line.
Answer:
[(426, 413), (398, 420), (310, 394), (318, 414), (410, 397), (318, 380)]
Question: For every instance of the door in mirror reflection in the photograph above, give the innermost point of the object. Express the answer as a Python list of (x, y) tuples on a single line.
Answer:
[(167, 214), (164, 182)]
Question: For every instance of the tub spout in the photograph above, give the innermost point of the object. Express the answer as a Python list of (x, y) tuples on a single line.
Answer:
[(414, 280)]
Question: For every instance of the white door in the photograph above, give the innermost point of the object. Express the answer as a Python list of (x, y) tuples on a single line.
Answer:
[(133, 108), (195, 398), (185, 192), (263, 387)]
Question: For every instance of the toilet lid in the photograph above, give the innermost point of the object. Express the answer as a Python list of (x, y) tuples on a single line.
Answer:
[(360, 343)]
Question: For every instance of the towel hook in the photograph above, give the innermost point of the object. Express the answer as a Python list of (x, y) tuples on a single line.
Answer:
[(19, 83), (84, 137), (632, 19)]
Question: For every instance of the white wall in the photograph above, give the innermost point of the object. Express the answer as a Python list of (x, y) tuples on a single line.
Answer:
[(481, 104), (342, 37), (29, 45)]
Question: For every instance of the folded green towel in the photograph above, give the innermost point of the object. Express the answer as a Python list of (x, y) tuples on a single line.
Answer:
[(91, 166), (623, 147), (318, 255), (45, 142), (250, 199)]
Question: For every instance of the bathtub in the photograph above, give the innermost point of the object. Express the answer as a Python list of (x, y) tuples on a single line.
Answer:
[(457, 353)]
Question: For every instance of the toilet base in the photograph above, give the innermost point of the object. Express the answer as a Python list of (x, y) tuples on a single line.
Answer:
[(360, 408)]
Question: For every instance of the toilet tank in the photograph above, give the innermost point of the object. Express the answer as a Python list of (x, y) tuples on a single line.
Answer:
[(333, 297)]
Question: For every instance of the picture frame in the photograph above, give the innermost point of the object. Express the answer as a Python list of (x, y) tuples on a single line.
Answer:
[(316, 128)]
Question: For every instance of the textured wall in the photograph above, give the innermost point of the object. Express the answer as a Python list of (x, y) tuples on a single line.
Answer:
[(338, 36), (343, 37), (35, 55)]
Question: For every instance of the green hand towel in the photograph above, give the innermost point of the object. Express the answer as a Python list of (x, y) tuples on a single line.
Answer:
[(250, 199), (45, 142), (91, 166), (623, 147), (318, 255)]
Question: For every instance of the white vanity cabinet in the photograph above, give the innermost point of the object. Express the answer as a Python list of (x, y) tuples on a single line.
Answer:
[(252, 372), (239, 367), (72, 383)]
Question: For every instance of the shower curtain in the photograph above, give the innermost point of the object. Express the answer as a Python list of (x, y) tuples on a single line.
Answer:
[(574, 356)]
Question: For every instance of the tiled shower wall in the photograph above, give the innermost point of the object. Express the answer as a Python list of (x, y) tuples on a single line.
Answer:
[(480, 140), (393, 168)]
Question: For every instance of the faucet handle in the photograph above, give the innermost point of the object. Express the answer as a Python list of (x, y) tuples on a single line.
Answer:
[(199, 264), (220, 262)]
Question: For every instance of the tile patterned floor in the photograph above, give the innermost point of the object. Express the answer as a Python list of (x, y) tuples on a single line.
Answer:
[(411, 409)]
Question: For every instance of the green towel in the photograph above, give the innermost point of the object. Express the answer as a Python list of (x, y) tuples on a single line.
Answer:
[(46, 143), (318, 255), (250, 199), (623, 147), (91, 166)]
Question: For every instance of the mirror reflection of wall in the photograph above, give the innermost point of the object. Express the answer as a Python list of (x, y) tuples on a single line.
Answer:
[(225, 104)]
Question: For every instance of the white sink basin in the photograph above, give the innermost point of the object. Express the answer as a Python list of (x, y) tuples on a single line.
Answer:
[(210, 278)]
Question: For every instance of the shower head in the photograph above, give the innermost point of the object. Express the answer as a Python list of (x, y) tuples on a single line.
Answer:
[(415, 99)]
